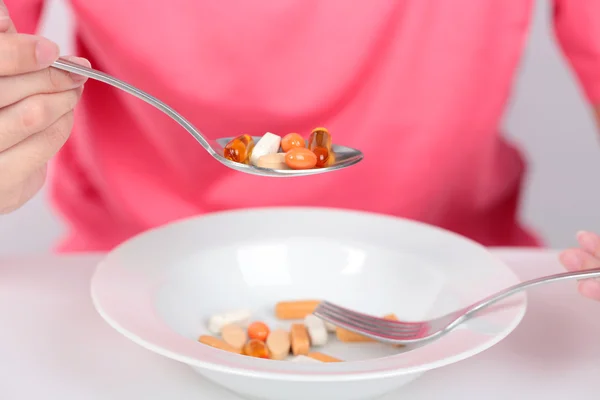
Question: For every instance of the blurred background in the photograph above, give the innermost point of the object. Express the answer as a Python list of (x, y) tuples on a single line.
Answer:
[(547, 117)]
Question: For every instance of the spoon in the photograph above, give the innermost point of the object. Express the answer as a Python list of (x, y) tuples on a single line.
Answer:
[(344, 156)]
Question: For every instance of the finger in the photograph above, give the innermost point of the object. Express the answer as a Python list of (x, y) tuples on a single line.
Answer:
[(34, 114), (19, 162), (12, 200), (20, 54), (49, 80), (590, 288), (6, 24), (578, 259), (589, 242)]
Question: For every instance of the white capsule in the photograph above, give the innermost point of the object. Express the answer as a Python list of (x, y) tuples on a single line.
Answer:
[(304, 359), (238, 317), (268, 144), (316, 330)]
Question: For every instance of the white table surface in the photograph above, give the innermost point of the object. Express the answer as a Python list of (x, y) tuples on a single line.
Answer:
[(53, 345)]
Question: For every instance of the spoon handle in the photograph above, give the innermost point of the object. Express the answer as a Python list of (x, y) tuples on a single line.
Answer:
[(119, 84), (488, 301)]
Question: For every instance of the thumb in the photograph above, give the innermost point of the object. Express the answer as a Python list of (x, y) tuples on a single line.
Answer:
[(6, 24)]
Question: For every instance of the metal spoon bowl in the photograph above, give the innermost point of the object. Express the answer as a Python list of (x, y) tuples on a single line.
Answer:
[(345, 156)]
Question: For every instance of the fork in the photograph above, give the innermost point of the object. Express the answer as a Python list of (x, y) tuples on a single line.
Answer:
[(419, 332)]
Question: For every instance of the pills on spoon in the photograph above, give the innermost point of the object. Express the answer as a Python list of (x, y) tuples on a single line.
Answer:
[(319, 143), (296, 152), (239, 149), (292, 140), (300, 158), (272, 161), (268, 144)]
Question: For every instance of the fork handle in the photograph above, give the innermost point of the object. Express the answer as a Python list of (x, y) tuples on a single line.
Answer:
[(69, 66), (488, 301)]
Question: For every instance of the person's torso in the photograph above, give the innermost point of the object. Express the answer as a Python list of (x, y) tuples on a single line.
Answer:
[(419, 86)]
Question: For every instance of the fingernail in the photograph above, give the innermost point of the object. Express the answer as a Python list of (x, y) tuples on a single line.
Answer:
[(46, 52), (78, 60), (588, 241), (4, 19), (81, 61), (571, 260)]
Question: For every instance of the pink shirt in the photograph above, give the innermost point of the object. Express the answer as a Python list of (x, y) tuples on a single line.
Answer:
[(419, 86)]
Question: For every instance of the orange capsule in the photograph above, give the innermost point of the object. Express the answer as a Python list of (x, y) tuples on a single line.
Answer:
[(300, 158), (256, 348), (320, 144), (239, 149), (258, 330), (292, 140)]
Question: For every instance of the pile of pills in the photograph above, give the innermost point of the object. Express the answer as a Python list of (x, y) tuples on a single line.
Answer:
[(236, 333), (290, 152)]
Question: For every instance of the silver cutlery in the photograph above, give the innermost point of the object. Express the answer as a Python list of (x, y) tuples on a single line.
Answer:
[(344, 156), (420, 332)]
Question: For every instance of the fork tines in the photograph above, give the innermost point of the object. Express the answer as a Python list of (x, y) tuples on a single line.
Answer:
[(380, 329)]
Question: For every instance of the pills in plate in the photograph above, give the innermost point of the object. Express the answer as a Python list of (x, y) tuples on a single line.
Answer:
[(235, 336), (297, 309), (316, 330), (217, 343), (218, 321), (279, 344)]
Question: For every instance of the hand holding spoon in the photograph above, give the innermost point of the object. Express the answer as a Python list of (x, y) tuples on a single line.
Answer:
[(344, 156)]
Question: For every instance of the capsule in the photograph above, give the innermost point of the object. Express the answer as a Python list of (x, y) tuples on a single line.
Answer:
[(299, 339), (323, 357), (319, 143), (298, 309), (239, 149), (292, 140), (345, 335), (218, 344), (305, 359), (256, 348), (300, 158)]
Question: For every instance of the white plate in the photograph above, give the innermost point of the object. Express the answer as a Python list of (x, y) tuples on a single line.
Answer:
[(159, 288)]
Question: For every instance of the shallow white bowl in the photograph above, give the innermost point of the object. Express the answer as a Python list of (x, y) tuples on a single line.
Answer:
[(159, 288)]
